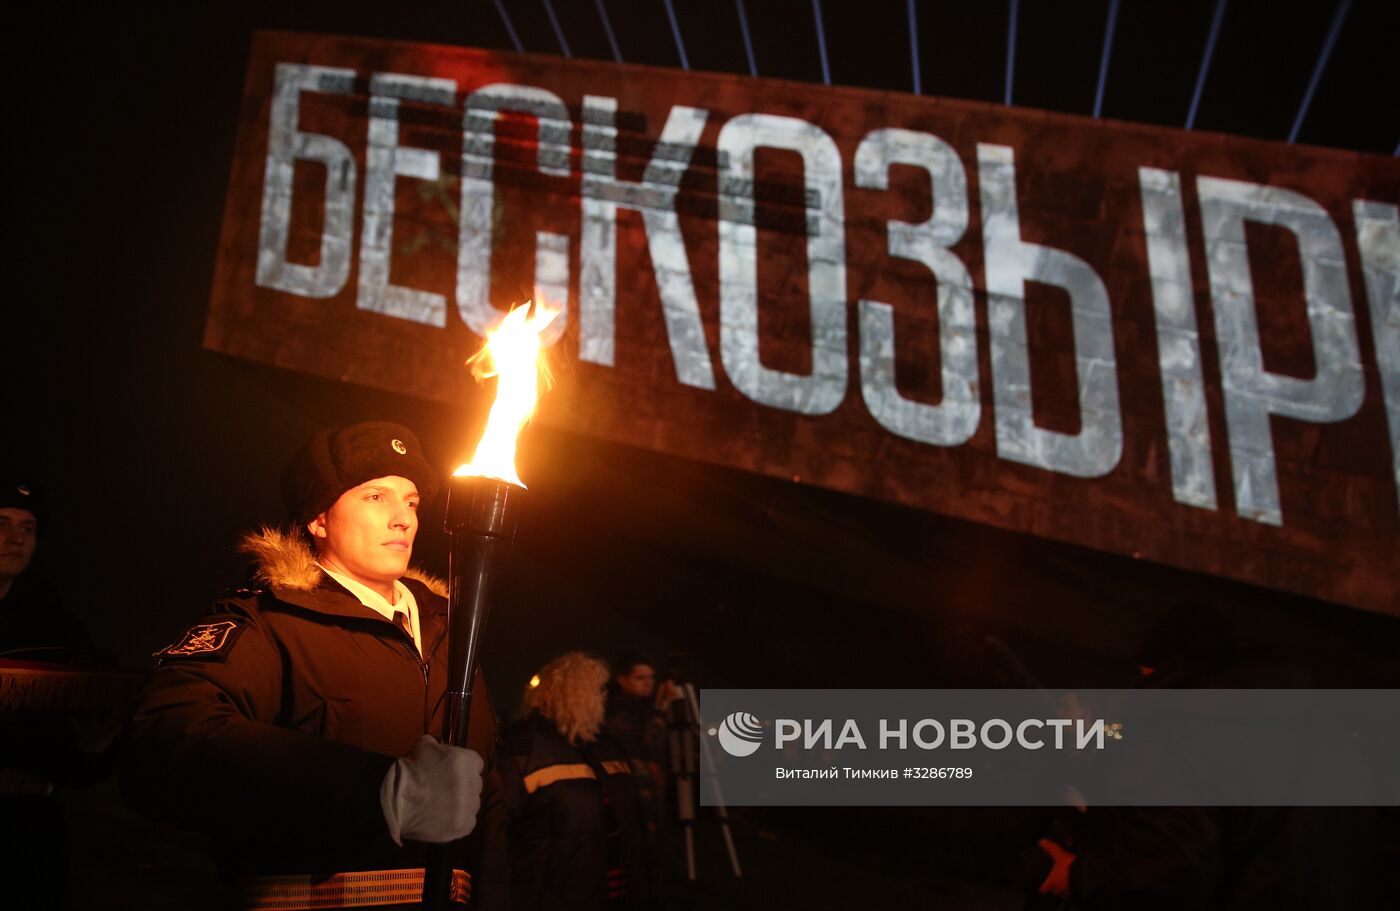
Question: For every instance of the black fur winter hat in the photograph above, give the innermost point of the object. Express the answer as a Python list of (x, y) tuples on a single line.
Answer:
[(18, 492), (339, 458)]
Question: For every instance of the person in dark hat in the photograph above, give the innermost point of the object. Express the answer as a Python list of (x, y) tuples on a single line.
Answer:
[(45, 744), (637, 718), (33, 623), (1207, 857), (293, 722), (19, 524)]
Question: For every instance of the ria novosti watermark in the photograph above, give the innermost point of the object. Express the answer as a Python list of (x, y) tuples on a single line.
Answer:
[(1029, 747), (741, 733)]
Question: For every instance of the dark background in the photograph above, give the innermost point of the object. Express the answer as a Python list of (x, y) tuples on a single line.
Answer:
[(156, 455)]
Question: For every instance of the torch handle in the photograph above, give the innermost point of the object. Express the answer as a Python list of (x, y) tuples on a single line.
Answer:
[(476, 561), (481, 539)]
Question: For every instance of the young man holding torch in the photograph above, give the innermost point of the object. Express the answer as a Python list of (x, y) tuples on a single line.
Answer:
[(293, 724)]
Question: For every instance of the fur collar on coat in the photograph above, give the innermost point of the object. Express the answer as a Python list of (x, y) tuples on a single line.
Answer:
[(283, 558)]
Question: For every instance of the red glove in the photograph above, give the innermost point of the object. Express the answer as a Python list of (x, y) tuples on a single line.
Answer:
[(1057, 882)]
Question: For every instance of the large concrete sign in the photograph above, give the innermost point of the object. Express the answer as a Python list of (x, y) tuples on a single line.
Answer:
[(1179, 346)]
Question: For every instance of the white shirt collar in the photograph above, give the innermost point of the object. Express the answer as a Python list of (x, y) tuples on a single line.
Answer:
[(376, 602)]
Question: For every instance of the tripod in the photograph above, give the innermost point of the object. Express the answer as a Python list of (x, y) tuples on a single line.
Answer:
[(686, 745)]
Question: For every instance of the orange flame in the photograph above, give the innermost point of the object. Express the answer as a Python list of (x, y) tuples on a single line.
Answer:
[(512, 355)]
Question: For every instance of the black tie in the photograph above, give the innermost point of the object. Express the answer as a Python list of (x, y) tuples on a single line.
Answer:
[(401, 621)]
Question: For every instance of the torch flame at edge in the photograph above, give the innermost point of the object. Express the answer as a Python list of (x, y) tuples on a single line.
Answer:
[(512, 355)]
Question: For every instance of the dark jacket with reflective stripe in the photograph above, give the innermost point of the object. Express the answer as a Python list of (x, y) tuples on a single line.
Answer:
[(562, 837), (276, 744)]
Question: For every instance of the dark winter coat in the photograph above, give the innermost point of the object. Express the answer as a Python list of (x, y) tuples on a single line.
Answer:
[(38, 745), (271, 723), (571, 822), (641, 730), (1241, 858), (35, 626)]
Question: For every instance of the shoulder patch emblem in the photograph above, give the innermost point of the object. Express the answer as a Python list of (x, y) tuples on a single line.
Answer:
[(204, 639)]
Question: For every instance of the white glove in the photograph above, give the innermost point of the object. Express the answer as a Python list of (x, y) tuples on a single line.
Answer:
[(432, 794)]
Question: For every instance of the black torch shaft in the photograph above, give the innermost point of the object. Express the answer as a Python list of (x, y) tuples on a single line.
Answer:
[(481, 528)]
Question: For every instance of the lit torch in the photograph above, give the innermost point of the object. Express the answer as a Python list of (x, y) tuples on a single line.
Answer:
[(481, 525)]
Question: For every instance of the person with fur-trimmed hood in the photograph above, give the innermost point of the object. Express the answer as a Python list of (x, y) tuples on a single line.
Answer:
[(293, 723), (572, 824)]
